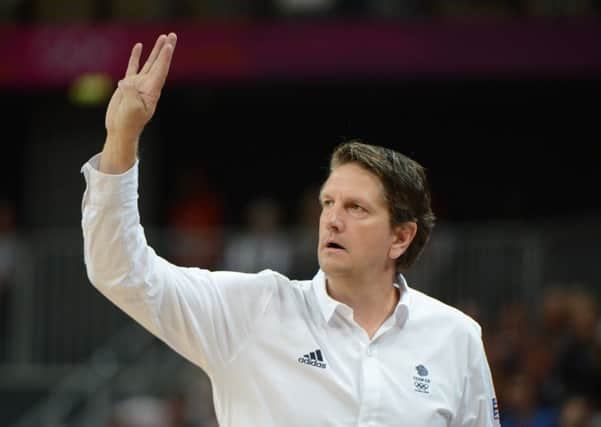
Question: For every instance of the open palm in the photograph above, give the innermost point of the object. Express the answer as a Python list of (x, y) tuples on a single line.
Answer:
[(135, 99)]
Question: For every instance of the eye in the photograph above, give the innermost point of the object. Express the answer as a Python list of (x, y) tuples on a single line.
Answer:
[(356, 208), (326, 203)]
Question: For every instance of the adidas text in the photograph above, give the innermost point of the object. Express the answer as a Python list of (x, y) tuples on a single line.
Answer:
[(308, 361)]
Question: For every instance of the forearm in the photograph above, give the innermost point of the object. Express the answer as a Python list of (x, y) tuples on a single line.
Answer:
[(119, 154), (109, 217), (119, 262)]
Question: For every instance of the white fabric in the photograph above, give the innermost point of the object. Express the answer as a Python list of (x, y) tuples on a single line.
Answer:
[(257, 335)]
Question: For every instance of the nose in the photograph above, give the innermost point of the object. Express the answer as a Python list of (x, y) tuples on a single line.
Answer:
[(333, 219)]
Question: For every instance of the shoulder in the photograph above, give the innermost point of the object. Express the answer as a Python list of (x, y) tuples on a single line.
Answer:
[(285, 285), (266, 285), (431, 312), (265, 278)]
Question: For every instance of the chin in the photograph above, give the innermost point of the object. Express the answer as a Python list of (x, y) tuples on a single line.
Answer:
[(332, 268)]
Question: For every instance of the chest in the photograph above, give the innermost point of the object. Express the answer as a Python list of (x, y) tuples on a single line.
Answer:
[(330, 374)]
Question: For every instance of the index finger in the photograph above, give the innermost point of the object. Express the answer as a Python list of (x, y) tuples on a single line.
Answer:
[(134, 60)]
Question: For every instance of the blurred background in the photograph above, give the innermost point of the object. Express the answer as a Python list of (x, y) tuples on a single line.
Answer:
[(498, 99)]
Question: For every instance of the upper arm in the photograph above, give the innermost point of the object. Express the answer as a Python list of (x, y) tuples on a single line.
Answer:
[(478, 407), (205, 316)]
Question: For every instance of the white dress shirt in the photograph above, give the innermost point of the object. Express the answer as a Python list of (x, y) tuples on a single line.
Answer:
[(281, 352)]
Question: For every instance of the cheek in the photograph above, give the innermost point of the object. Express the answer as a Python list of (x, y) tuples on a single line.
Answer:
[(324, 222), (378, 240)]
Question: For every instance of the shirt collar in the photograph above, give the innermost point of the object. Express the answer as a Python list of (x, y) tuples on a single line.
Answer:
[(328, 305)]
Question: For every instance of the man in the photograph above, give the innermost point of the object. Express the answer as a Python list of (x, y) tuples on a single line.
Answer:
[(354, 346)]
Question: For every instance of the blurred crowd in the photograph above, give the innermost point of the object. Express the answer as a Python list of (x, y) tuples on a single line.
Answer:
[(546, 358), (8, 254), (200, 235), (144, 10)]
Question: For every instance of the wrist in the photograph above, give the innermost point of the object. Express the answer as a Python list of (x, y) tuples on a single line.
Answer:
[(119, 153)]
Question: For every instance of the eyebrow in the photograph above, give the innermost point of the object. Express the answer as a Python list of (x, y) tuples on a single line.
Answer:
[(360, 201), (352, 199)]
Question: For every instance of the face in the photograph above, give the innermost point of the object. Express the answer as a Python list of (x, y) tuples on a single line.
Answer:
[(355, 236)]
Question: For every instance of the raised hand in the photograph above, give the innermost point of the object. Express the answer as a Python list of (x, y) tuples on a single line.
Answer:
[(134, 103), (137, 95)]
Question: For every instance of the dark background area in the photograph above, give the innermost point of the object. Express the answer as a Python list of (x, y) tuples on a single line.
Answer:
[(494, 149), (519, 149)]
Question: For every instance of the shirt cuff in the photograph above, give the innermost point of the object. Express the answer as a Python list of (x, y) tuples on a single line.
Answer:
[(107, 189)]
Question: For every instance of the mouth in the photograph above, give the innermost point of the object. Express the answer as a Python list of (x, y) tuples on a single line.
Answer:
[(334, 246)]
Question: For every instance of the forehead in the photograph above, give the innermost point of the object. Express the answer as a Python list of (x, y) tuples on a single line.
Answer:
[(352, 180)]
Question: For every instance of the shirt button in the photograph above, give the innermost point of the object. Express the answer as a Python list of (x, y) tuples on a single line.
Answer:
[(369, 352)]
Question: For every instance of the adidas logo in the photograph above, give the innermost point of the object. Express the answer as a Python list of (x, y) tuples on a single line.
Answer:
[(314, 359)]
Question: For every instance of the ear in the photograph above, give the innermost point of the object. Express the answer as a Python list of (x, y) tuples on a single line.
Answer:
[(403, 235)]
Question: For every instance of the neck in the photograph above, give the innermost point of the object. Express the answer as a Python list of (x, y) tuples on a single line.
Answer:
[(372, 301)]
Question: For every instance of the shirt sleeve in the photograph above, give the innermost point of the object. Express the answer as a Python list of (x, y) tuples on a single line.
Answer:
[(205, 316), (479, 406)]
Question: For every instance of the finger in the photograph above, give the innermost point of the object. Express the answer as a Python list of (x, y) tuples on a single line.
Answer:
[(172, 39), (158, 74), (134, 60), (154, 54)]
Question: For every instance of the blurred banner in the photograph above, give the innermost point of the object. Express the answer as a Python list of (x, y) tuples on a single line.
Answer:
[(44, 56)]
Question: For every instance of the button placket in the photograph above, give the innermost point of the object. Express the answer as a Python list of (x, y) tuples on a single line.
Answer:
[(371, 381)]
